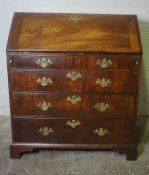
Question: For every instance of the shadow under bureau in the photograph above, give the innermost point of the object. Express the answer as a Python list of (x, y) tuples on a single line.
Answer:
[(73, 82)]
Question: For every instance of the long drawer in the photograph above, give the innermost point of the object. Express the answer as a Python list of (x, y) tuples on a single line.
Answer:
[(60, 105), (73, 131), (73, 81)]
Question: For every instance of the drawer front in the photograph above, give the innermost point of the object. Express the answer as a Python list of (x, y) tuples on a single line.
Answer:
[(73, 131), (106, 62), (112, 81), (74, 81), (67, 105), (43, 80), (53, 61)]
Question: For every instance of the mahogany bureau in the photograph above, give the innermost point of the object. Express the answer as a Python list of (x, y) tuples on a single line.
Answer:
[(73, 82)]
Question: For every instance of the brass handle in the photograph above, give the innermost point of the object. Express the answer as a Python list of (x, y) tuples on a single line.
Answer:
[(44, 105), (44, 81), (73, 123), (44, 62), (76, 18), (102, 106), (74, 99), (103, 82), (104, 63), (45, 131), (101, 132), (73, 75)]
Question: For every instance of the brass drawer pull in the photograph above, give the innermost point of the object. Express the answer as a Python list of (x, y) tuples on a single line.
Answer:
[(73, 123), (104, 63), (45, 131), (44, 62), (100, 132), (73, 75), (44, 105), (44, 81), (103, 82), (102, 106), (74, 99)]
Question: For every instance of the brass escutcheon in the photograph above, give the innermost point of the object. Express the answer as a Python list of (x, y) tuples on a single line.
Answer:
[(76, 18), (100, 132), (104, 63), (73, 75), (44, 81), (102, 106), (74, 99), (103, 82), (45, 131), (44, 62), (44, 105), (73, 123)]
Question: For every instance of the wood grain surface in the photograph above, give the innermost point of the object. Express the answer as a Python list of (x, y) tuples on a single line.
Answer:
[(121, 81), (57, 32), (118, 132), (26, 104)]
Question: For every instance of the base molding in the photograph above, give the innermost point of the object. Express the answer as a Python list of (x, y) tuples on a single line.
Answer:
[(17, 149)]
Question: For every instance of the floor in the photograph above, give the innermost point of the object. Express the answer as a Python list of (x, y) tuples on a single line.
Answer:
[(74, 162)]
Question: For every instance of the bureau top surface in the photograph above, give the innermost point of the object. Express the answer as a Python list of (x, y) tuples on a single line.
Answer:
[(74, 33)]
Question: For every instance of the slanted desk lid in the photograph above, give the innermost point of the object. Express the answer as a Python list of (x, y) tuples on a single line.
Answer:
[(74, 32)]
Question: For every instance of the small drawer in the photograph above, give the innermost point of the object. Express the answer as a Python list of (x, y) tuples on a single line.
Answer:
[(106, 61), (74, 81), (73, 131), (46, 61), (67, 105)]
